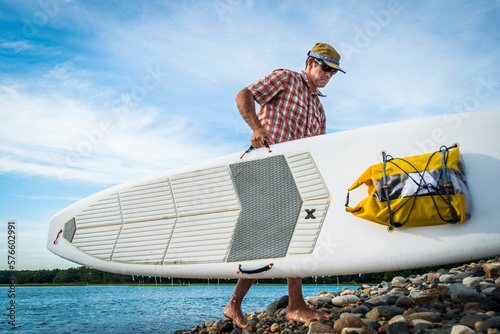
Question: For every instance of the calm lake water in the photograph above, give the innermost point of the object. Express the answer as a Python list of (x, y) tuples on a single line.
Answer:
[(129, 309)]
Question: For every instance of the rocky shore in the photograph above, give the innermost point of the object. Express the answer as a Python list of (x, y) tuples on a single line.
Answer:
[(462, 300)]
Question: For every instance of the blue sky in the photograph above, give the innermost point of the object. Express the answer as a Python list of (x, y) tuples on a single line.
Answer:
[(97, 93)]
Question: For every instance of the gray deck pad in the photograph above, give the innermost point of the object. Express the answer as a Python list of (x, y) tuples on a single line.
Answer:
[(270, 203)]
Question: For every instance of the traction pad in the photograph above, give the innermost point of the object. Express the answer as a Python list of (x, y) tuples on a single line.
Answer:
[(267, 221)]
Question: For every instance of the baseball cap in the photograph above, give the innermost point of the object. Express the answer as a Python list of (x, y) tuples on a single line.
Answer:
[(326, 53)]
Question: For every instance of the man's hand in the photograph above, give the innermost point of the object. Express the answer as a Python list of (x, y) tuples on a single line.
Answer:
[(259, 136), (246, 105)]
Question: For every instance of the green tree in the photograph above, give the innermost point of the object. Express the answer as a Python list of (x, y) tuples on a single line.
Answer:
[(70, 275)]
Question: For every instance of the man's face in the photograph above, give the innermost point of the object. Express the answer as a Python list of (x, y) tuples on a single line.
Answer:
[(320, 77)]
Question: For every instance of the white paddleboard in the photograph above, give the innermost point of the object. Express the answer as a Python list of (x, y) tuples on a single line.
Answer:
[(285, 208)]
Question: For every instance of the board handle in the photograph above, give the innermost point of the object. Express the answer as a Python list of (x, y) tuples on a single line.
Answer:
[(266, 144), (57, 237), (254, 271)]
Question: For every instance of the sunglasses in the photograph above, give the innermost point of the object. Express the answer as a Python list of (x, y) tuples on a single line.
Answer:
[(325, 67)]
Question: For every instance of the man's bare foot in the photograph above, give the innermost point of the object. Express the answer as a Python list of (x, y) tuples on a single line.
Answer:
[(233, 307), (304, 314), (236, 315)]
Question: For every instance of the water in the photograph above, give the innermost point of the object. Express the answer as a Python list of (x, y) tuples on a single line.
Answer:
[(129, 309)]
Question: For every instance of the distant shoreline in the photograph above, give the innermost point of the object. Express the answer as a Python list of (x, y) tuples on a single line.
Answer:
[(168, 284)]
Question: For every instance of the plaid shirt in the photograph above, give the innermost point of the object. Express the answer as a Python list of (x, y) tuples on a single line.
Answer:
[(288, 108)]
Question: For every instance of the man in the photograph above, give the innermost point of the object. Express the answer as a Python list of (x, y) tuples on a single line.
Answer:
[(289, 109)]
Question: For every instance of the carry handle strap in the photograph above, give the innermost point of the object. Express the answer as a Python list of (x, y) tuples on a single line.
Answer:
[(266, 144), (254, 271), (386, 191), (447, 184), (363, 179)]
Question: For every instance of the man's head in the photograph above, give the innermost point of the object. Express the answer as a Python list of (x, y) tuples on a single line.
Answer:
[(327, 55), (323, 62)]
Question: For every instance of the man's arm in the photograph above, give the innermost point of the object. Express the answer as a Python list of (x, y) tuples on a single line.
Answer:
[(246, 105)]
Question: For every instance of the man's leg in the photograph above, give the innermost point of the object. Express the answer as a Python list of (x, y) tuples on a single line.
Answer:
[(233, 307), (297, 309)]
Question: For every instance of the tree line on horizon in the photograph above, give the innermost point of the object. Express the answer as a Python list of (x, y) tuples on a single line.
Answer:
[(88, 276)]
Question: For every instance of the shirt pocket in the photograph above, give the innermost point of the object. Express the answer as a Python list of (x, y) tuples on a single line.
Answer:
[(317, 118), (298, 117)]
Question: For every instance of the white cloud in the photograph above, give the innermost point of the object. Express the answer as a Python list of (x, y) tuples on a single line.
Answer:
[(16, 47), (26, 47), (103, 140), (46, 197), (79, 121)]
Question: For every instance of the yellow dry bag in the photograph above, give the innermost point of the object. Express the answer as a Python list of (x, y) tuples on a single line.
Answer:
[(422, 190)]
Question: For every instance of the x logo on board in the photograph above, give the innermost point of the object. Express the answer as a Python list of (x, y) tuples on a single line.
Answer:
[(310, 214)]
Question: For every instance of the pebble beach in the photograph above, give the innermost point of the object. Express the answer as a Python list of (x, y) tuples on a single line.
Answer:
[(461, 300)]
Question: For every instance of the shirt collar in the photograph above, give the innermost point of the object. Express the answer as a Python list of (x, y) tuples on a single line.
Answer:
[(304, 77)]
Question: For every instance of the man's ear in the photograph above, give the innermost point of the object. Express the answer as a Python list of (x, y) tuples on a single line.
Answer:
[(309, 62)]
